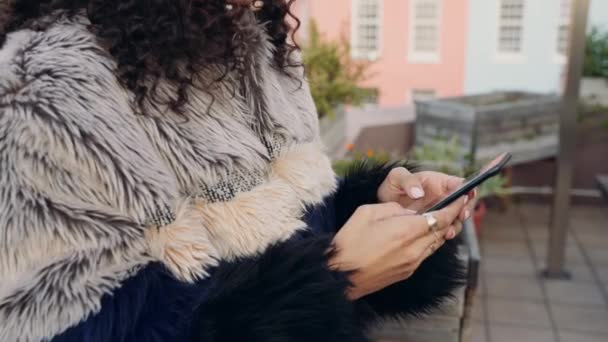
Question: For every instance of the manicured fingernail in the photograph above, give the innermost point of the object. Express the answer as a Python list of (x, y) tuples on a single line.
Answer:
[(467, 214), (451, 234), (466, 199), (416, 192)]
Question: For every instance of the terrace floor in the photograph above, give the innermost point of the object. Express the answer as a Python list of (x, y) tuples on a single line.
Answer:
[(516, 304)]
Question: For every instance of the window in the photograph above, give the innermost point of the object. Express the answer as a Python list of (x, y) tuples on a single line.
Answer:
[(563, 28), (419, 95), (366, 28), (424, 30), (511, 26), (372, 97)]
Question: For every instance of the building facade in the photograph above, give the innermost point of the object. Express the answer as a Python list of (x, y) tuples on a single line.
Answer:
[(437, 48)]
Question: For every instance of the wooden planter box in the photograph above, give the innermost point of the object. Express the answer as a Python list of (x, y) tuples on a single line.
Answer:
[(525, 124), (453, 322)]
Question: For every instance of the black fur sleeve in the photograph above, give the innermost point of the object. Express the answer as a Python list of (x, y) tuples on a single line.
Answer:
[(289, 294), (286, 294), (433, 282), (359, 185)]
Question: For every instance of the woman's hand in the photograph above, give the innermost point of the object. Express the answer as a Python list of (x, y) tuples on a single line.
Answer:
[(421, 190), (385, 243)]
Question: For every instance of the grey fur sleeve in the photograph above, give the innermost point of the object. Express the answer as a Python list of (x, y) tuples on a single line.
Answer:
[(64, 242), (74, 198)]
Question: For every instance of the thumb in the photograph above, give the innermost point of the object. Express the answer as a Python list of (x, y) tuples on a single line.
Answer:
[(405, 180)]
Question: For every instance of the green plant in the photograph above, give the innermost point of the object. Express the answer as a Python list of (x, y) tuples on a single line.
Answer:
[(493, 187), (443, 156), (334, 77), (596, 54)]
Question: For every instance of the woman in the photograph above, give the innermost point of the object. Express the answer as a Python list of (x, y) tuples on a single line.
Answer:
[(163, 180)]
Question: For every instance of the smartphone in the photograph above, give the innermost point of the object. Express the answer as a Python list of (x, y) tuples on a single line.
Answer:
[(488, 171)]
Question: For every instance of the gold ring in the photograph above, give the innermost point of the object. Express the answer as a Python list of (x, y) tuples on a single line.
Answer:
[(431, 221)]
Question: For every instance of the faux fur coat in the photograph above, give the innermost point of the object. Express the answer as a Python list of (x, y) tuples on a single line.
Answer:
[(120, 226)]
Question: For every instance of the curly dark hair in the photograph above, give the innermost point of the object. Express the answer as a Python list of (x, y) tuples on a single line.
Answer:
[(170, 39)]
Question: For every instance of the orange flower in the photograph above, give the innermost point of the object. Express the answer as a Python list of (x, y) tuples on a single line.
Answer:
[(350, 147), (370, 153)]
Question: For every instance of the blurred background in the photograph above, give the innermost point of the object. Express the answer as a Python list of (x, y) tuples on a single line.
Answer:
[(451, 83)]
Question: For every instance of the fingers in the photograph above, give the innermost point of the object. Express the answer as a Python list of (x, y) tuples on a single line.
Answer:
[(473, 194), (416, 226), (466, 212), (412, 185), (454, 230), (427, 245), (383, 211), (449, 214), (451, 183), (410, 227), (470, 206)]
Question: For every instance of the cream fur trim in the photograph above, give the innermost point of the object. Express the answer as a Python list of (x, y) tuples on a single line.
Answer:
[(271, 212), (252, 220), (308, 170), (183, 246)]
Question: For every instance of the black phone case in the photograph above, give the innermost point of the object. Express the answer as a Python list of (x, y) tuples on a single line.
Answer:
[(471, 185)]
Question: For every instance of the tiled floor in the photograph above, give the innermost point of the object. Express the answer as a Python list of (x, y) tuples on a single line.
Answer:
[(515, 303)]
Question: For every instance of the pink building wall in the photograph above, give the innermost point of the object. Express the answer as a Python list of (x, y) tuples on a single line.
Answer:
[(392, 73)]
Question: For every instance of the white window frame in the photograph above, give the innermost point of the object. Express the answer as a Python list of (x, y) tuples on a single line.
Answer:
[(505, 56), (424, 57), (563, 19), (413, 90), (372, 55)]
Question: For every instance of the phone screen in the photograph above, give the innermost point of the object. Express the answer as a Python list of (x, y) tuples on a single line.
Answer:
[(488, 171)]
